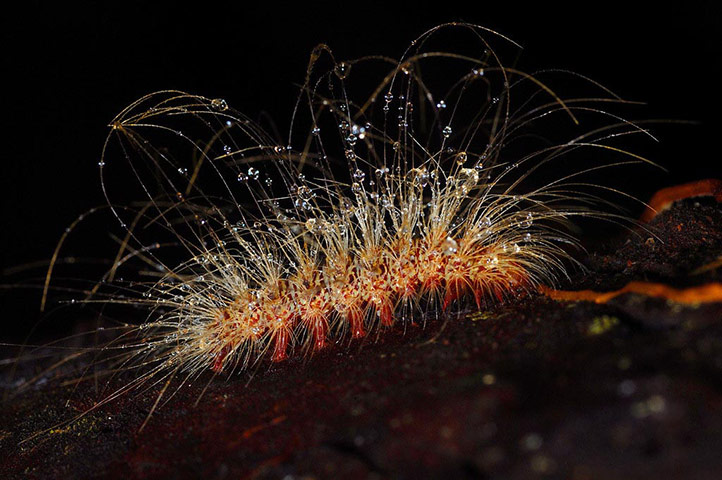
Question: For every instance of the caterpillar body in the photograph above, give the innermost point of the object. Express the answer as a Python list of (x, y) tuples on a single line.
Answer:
[(441, 184)]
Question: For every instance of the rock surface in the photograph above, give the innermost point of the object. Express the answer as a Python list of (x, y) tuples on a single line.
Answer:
[(531, 389)]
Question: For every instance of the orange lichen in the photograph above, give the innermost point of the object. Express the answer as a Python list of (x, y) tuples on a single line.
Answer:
[(664, 198), (708, 293)]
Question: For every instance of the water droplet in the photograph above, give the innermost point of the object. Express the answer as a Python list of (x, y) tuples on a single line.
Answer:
[(450, 246), (388, 97), (315, 130), (528, 220), (219, 104), (419, 177), (446, 132), (342, 70), (467, 178), (253, 173), (359, 175), (242, 177), (304, 193), (350, 154), (351, 139), (380, 172), (278, 149), (441, 105), (356, 187), (460, 158), (396, 146)]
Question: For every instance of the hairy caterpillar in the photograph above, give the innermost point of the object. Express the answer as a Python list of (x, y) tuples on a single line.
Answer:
[(448, 179)]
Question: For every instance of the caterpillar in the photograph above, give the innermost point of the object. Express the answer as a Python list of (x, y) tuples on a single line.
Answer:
[(453, 180)]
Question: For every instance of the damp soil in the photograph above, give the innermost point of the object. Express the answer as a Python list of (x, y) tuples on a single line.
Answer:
[(530, 389)]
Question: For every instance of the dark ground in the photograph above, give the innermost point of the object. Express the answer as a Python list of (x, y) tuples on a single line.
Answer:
[(630, 389)]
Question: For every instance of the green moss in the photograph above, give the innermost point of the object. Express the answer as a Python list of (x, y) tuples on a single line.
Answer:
[(602, 324)]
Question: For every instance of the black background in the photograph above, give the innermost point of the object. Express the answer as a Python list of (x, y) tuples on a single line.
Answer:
[(70, 69)]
